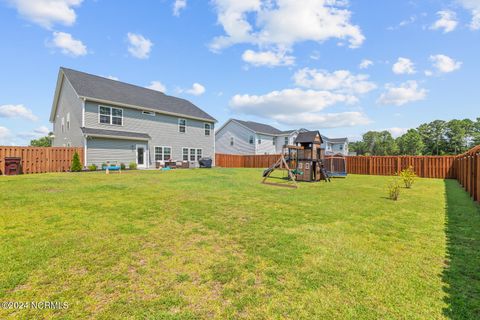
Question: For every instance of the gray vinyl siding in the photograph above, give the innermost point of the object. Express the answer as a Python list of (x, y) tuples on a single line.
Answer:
[(241, 138), (163, 130), (101, 150), (68, 102), (266, 147), (281, 143)]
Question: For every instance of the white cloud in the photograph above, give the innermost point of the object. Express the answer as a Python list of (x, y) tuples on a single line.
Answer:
[(42, 130), (47, 12), (68, 44), (178, 6), (112, 78), (397, 132), (403, 23), (287, 102), (403, 94), (474, 7), (35, 134), (268, 58), (5, 136), (341, 81), (196, 90), (299, 108), (447, 21), (326, 120), (365, 64), (403, 66), (158, 86), (139, 46), (17, 111), (444, 64), (475, 24), (279, 24)]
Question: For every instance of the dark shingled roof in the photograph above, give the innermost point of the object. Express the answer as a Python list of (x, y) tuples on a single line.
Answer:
[(259, 127), (335, 140), (95, 87), (120, 134), (307, 137)]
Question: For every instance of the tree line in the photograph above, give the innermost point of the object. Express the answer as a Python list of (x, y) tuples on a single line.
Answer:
[(435, 138)]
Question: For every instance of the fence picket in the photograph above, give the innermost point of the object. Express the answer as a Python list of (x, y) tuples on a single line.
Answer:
[(41, 159)]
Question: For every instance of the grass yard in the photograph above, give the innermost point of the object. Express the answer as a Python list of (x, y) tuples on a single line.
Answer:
[(202, 244)]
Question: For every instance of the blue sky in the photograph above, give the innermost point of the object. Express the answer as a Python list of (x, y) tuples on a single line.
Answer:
[(288, 63)]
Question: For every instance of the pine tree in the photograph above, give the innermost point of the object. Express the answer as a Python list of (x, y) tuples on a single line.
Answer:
[(76, 165)]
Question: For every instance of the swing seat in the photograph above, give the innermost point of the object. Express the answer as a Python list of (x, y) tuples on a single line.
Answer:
[(295, 171)]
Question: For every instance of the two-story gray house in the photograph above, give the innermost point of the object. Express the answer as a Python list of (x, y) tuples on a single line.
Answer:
[(249, 138), (254, 138), (123, 123), (335, 146)]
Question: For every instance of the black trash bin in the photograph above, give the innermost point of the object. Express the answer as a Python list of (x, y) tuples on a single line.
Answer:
[(13, 166), (205, 162)]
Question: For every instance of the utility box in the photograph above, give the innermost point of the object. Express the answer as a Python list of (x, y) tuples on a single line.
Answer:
[(13, 166)]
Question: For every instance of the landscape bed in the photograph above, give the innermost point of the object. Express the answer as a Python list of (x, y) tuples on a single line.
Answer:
[(191, 244)]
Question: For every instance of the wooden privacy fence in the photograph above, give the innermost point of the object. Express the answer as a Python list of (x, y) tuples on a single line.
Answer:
[(467, 168), (425, 166), (41, 159), (242, 161)]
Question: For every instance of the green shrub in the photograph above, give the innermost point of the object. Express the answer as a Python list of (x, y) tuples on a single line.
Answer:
[(76, 165), (394, 189), (104, 166), (92, 167), (122, 166), (132, 166), (408, 176)]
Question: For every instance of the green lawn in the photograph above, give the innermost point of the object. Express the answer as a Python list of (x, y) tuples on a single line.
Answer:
[(218, 244)]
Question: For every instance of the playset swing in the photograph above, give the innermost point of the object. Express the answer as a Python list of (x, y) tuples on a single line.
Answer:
[(301, 162)]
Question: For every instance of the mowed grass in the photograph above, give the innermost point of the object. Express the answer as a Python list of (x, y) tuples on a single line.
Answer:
[(217, 244)]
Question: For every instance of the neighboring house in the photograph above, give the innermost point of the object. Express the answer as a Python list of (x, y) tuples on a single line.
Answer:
[(122, 123), (248, 137), (335, 146)]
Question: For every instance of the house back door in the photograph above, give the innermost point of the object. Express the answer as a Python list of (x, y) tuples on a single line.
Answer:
[(141, 156)]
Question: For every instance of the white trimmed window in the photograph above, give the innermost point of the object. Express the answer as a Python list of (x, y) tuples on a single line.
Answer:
[(191, 154), (163, 153), (232, 141), (63, 125), (208, 128), (251, 140), (68, 121), (259, 141), (110, 115), (182, 125), (286, 141), (274, 141)]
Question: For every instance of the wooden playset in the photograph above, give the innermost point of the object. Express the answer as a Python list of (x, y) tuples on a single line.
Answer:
[(302, 161)]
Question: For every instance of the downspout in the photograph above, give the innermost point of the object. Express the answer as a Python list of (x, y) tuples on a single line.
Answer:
[(84, 136), (214, 146), (85, 149)]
